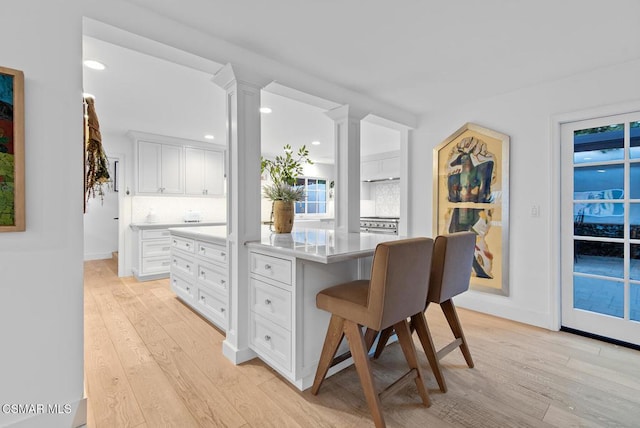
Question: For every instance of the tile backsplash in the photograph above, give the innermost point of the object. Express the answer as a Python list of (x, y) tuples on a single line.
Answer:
[(387, 199), (170, 210)]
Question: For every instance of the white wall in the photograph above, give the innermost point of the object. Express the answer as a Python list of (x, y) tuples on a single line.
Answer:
[(41, 314), (527, 116)]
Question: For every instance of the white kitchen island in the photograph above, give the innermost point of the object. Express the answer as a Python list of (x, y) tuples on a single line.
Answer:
[(286, 271), (199, 270), (286, 329)]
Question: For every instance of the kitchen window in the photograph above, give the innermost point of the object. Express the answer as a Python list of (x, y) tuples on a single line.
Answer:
[(315, 202)]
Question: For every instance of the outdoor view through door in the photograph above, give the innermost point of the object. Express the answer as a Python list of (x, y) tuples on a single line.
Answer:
[(315, 201), (601, 224)]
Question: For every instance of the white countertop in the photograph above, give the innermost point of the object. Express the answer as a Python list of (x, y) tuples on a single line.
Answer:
[(215, 234), (142, 226), (321, 245)]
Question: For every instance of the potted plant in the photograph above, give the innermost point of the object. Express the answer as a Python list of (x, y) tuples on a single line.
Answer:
[(282, 191)]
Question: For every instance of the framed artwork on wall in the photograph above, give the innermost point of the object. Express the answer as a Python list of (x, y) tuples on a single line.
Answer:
[(12, 217), (471, 193)]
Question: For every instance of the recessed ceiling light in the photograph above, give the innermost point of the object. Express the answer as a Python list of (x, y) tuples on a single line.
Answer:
[(315, 143), (209, 137), (94, 65), (266, 110)]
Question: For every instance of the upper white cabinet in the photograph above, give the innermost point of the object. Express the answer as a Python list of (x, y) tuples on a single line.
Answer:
[(160, 168), (380, 166), (204, 172), (173, 166)]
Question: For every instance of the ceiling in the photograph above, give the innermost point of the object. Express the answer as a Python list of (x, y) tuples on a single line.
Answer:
[(423, 55), (147, 93), (417, 55)]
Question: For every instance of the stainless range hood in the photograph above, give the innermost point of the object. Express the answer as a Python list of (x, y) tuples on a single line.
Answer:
[(377, 180)]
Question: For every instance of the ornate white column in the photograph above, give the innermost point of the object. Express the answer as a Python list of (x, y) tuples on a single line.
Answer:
[(243, 196), (347, 154)]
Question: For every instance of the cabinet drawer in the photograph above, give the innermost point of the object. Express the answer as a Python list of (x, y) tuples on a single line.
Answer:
[(271, 267), (213, 306), (155, 265), (212, 277), (271, 302), (271, 341), (212, 252), (183, 244), (183, 265), (182, 287), (159, 247), (156, 234)]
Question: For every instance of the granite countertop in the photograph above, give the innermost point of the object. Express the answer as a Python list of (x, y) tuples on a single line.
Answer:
[(320, 245), (142, 226), (215, 234)]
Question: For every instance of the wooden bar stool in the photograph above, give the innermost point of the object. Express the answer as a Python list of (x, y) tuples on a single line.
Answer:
[(395, 292), (450, 273)]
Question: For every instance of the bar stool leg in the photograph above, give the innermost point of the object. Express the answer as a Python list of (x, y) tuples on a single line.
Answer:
[(454, 322), (382, 341), (335, 333), (419, 322), (363, 367), (409, 350)]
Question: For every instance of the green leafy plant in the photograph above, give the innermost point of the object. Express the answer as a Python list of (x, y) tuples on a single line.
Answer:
[(283, 192), (284, 170)]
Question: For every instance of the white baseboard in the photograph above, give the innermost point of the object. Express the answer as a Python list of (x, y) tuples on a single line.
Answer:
[(98, 256), (237, 356)]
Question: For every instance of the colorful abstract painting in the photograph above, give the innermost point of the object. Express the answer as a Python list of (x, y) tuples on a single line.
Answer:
[(11, 150), (471, 193)]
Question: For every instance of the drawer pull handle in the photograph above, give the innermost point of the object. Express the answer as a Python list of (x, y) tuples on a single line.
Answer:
[(223, 254), (222, 310), (188, 267), (203, 250), (175, 262), (175, 242), (267, 337), (267, 301), (267, 267), (202, 298), (202, 274), (188, 288), (187, 245)]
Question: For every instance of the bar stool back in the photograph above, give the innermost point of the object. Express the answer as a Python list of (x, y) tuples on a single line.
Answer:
[(450, 273)]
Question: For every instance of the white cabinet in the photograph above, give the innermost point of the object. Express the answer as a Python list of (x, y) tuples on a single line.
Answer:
[(200, 278), (380, 167), (160, 168), (204, 172), (271, 310), (175, 166), (151, 255)]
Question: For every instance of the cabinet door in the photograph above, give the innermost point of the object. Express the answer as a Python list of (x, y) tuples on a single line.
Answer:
[(213, 172), (194, 171), (369, 170), (391, 167), (204, 173), (149, 155), (171, 169)]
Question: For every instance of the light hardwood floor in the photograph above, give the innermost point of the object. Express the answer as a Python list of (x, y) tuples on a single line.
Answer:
[(152, 362)]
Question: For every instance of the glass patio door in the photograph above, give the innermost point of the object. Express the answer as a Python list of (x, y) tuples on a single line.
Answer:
[(601, 226)]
